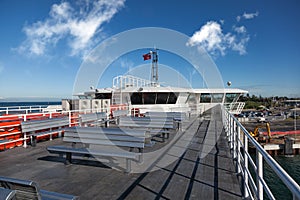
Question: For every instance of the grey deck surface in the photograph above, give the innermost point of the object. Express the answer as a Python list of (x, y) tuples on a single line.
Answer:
[(203, 170)]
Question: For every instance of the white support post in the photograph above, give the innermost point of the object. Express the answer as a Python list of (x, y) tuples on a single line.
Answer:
[(259, 175), (25, 143), (70, 120), (239, 149), (246, 185), (227, 123), (231, 132), (234, 139)]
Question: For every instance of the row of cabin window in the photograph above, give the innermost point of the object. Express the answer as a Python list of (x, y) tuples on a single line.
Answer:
[(217, 97), (153, 98)]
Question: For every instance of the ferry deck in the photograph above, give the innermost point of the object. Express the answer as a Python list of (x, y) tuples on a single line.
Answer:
[(190, 176), (209, 155)]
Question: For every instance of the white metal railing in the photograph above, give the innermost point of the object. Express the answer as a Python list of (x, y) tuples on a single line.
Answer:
[(129, 81), (235, 107), (28, 109), (253, 187), (10, 124)]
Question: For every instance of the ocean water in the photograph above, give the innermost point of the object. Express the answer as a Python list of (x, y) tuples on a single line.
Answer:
[(291, 164)]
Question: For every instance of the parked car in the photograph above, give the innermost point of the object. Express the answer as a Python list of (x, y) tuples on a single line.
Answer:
[(261, 119)]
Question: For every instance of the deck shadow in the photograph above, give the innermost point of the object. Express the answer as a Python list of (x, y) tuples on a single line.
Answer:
[(75, 161)]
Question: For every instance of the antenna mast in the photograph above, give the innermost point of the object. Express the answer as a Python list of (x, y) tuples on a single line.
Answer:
[(154, 71)]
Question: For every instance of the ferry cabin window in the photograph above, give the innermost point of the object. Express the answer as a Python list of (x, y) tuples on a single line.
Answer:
[(217, 98), (103, 96), (231, 97), (172, 98), (191, 99), (153, 98), (205, 98), (149, 97), (136, 98), (162, 98)]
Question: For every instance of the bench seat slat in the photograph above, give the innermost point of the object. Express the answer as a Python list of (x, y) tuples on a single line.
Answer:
[(104, 137), (108, 131), (122, 153), (48, 132), (99, 117), (35, 125), (147, 126), (105, 142), (147, 123)]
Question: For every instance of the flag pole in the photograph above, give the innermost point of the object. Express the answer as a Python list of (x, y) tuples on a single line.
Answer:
[(154, 71)]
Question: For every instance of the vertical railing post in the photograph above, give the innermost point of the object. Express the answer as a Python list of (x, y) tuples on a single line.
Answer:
[(246, 185), (231, 132), (228, 124), (25, 142), (259, 175), (239, 149), (234, 138), (70, 120)]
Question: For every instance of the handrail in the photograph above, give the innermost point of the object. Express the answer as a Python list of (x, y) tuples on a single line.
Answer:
[(27, 109), (234, 131)]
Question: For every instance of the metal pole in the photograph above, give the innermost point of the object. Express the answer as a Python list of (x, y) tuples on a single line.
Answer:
[(70, 121), (246, 186), (156, 65), (25, 143), (231, 132), (234, 138), (238, 149), (259, 175)]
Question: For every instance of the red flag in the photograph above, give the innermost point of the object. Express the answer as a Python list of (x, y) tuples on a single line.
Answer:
[(147, 56)]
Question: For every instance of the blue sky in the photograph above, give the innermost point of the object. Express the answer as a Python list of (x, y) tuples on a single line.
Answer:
[(255, 44)]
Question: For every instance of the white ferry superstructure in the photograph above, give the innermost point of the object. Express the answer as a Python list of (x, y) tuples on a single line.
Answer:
[(143, 95)]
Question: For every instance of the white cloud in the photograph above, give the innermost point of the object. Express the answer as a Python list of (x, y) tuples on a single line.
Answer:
[(247, 16), (211, 38), (241, 29), (80, 27), (250, 15)]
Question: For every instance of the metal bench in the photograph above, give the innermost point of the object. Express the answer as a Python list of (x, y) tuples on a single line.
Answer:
[(25, 189), (7, 194), (93, 119), (153, 125), (178, 117), (119, 113), (106, 142), (37, 128)]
